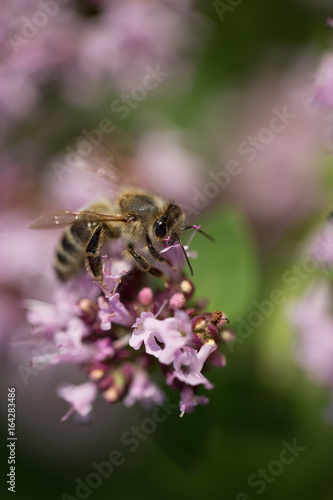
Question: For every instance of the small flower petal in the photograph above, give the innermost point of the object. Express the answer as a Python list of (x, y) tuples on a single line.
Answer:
[(189, 400), (80, 397), (143, 390)]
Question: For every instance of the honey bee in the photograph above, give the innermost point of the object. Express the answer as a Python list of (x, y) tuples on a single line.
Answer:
[(135, 216)]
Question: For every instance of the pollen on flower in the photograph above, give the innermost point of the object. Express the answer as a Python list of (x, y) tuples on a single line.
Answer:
[(186, 287), (118, 333), (199, 323)]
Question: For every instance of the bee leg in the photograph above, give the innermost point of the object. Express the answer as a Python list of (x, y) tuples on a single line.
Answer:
[(93, 257), (144, 265), (154, 253)]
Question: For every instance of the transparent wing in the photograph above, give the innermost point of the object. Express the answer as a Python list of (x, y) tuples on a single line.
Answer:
[(102, 167), (58, 219)]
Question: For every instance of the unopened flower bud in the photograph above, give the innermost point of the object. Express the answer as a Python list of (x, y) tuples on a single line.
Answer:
[(88, 310), (96, 374), (177, 301), (187, 287), (145, 296), (111, 395), (227, 336)]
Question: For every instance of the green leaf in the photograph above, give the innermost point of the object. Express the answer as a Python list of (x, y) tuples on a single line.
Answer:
[(226, 272)]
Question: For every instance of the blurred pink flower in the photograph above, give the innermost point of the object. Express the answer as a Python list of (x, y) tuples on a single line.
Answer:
[(144, 391), (189, 400), (59, 43), (313, 320), (277, 141), (167, 166), (25, 252), (80, 398), (321, 246), (32, 53), (129, 36), (323, 84)]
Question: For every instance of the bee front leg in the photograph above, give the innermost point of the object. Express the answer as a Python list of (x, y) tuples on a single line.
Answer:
[(144, 265), (157, 256), (93, 258)]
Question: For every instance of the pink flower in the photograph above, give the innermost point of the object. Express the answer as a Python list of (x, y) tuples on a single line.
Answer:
[(83, 53), (312, 318), (323, 85), (189, 400), (188, 364), (277, 142), (90, 326), (68, 345), (104, 349), (129, 36), (172, 333), (322, 246), (164, 162), (113, 311), (142, 389), (80, 397)]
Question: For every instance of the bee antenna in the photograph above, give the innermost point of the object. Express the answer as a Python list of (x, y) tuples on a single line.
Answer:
[(199, 231), (178, 238)]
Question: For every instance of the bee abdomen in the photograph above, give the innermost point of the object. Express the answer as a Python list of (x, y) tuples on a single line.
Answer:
[(70, 255)]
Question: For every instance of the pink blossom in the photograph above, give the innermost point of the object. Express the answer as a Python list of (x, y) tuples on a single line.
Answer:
[(313, 321), (188, 363), (90, 326), (113, 311), (173, 333), (189, 400), (142, 389), (104, 349), (166, 165), (275, 144), (323, 84), (80, 397)]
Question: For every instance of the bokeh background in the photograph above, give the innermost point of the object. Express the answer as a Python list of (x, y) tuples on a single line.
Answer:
[(222, 69)]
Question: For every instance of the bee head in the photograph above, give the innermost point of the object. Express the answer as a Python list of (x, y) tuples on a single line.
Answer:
[(170, 222)]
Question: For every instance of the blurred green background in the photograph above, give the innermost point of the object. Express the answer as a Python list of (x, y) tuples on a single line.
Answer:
[(262, 398)]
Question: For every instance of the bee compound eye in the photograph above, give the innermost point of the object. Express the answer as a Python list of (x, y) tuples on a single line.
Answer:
[(160, 229)]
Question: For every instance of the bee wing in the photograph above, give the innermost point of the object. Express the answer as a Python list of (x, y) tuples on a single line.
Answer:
[(58, 219), (103, 168)]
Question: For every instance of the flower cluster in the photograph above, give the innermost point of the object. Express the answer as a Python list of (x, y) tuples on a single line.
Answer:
[(124, 334), (83, 45)]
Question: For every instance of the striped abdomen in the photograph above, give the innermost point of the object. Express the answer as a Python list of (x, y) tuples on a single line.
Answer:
[(70, 256)]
